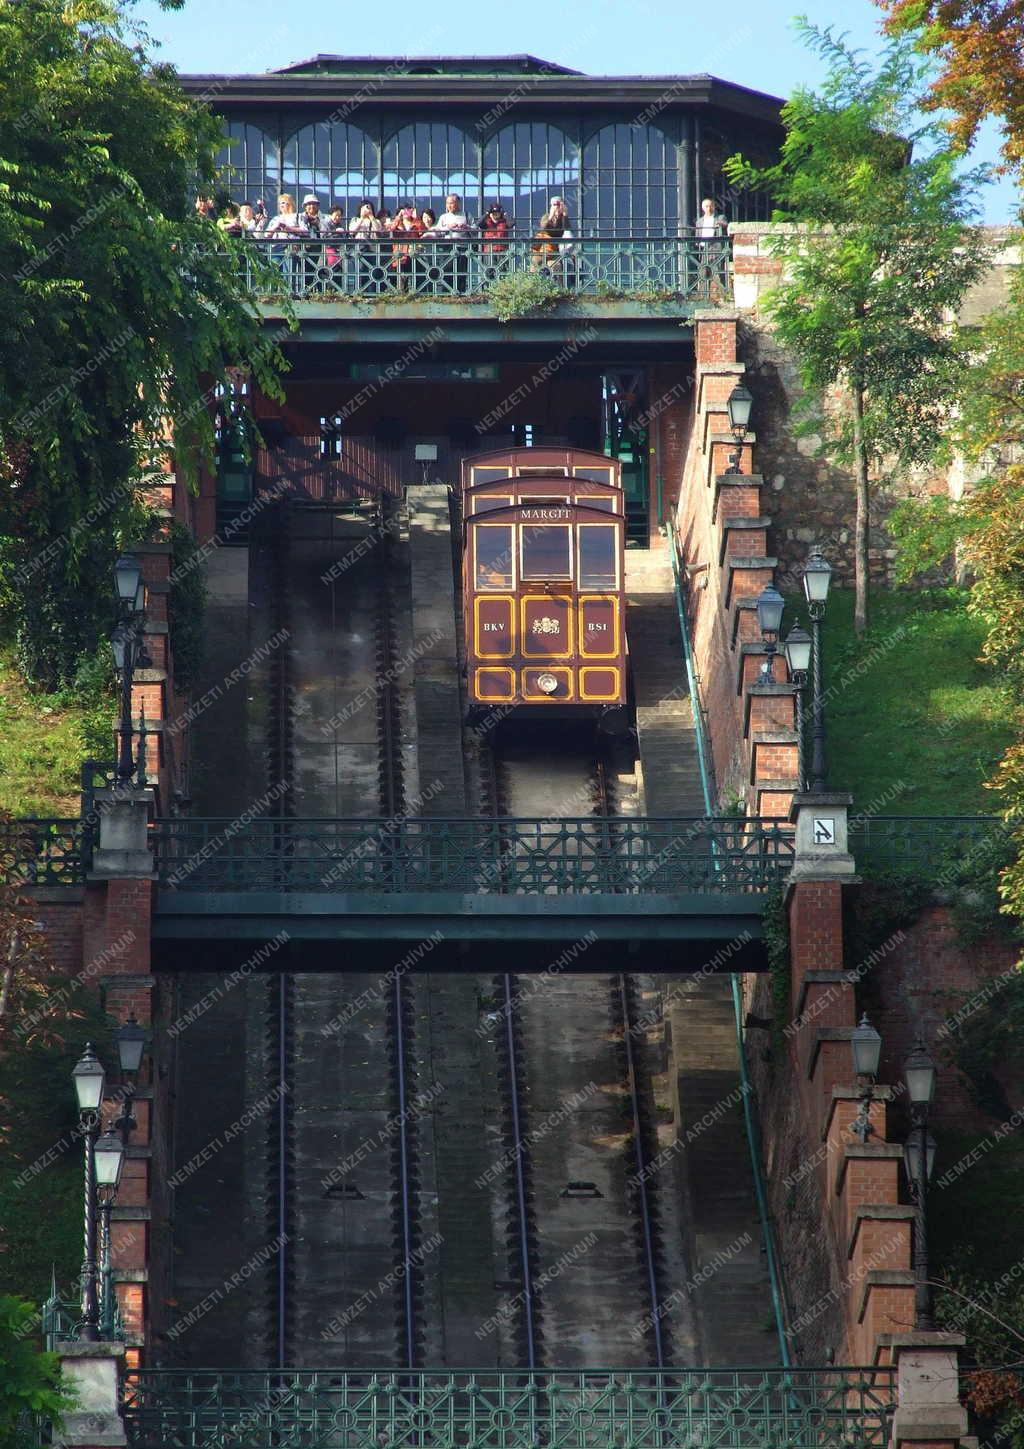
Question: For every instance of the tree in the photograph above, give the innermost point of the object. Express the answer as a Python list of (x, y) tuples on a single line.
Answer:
[(878, 261), (121, 309), (981, 47), (30, 1381), (986, 529)]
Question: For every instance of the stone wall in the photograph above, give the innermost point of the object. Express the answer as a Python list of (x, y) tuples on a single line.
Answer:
[(808, 499)]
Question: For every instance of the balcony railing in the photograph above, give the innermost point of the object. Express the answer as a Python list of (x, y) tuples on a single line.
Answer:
[(502, 857), (651, 267), (729, 1408)]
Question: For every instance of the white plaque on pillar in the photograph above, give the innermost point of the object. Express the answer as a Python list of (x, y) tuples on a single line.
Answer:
[(824, 830)]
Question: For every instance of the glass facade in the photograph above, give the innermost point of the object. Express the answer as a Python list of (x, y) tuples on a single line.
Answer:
[(623, 174)]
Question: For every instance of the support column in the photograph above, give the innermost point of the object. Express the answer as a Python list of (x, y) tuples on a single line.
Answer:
[(929, 1414)]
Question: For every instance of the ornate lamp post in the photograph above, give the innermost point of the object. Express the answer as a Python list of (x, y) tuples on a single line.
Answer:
[(88, 1079), (129, 652), (109, 1159), (131, 1042), (919, 1159), (770, 607), (866, 1048), (739, 403), (817, 577), (797, 648)]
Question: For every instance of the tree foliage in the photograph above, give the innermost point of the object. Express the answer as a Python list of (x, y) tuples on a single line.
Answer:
[(30, 1381), (986, 529), (121, 309), (877, 260), (980, 46)]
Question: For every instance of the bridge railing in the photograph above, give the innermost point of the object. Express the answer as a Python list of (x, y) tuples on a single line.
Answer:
[(45, 851), (926, 845), (685, 266), (490, 856), (734, 1408)]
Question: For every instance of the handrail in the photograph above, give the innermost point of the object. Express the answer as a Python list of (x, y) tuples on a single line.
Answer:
[(775, 1272)]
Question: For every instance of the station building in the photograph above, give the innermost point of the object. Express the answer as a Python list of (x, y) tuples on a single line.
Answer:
[(400, 366)]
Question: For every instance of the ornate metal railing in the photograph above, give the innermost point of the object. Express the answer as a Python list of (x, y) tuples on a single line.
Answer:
[(835, 1408), (44, 851), (499, 856), (933, 846), (676, 266)]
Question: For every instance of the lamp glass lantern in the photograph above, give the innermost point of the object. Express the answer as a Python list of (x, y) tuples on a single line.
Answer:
[(798, 650), (817, 577), (128, 579), (109, 1159), (739, 404), (866, 1046), (131, 1042), (912, 1156), (119, 648), (919, 1073), (770, 608), (88, 1077)]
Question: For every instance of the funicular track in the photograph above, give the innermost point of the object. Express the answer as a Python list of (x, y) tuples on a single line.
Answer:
[(341, 1151), (584, 1238)]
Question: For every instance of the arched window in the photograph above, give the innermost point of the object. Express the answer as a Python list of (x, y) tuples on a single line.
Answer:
[(333, 159), (630, 180), (426, 160), (525, 164), (247, 165)]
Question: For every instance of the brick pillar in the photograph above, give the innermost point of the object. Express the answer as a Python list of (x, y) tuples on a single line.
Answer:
[(118, 909), (929, 1414)]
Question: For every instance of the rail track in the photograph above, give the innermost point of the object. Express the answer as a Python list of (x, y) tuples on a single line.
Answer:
[(341, 1150), (584, 1219)]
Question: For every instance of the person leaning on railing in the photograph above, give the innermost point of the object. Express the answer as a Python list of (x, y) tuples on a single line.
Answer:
[(553, 237), (454, 225), (366, 231), (285, 224), (407, 225), (713, 248)]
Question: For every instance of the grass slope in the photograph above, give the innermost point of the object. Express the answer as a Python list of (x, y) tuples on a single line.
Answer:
[(45, 737), (915, 723)]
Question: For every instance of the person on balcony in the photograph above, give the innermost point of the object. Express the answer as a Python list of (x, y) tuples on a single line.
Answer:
[(454, 225), (713, 249), (286, 222), (553, 238), (205, 208), (366, 230), (334, 226), (494, 228), (311, 215), (407, 226), (247, 218), (229, 222), (285, 226)]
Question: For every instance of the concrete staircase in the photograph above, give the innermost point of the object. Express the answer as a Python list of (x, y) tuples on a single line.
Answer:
[(664, 714)]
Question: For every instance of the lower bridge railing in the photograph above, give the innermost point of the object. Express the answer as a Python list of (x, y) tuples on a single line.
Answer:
[(761, 1408), (499, 856)]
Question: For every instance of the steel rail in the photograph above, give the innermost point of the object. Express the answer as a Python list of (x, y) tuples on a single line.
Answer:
[(405, 1184), (604, 805), (520, 1175)]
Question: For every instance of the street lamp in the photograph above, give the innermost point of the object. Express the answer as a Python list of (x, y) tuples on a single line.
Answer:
[(866, 1048), (88, 1079), (109, 1159), (739, 403), (919, 1158), (131, 1043), (770, 607), (797, 648), (817, 577), (129, 652)]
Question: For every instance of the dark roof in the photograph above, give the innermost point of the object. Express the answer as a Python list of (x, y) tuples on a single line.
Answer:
[(424, 65)]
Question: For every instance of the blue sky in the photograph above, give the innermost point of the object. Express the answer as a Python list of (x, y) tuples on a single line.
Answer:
[(758, 47)]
